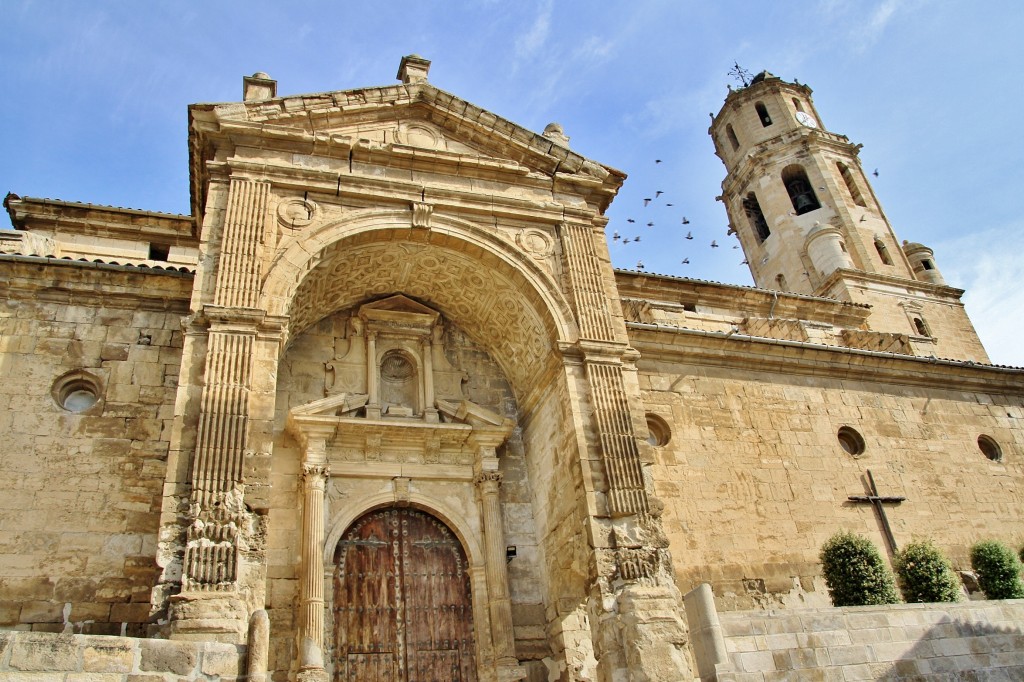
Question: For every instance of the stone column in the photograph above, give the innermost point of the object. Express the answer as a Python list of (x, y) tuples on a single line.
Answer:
[(373, 404), (315, 474), (427, 351), (488, 481)]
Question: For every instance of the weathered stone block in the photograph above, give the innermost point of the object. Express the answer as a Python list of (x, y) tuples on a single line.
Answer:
[(108, 655), (178, 658), (41, 652), (221, 661)]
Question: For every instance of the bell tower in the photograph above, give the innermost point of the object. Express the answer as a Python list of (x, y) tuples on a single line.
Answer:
[(810, 223)]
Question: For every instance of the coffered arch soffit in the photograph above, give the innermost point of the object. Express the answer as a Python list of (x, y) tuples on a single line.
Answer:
[(502, 299)]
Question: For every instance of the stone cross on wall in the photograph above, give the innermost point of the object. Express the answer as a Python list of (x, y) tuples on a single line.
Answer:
[(876, 501)]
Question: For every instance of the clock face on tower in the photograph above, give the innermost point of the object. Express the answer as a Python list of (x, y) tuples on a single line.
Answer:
[(806, 119)]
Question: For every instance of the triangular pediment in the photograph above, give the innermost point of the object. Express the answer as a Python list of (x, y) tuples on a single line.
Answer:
[(399, 304), (402, 119)]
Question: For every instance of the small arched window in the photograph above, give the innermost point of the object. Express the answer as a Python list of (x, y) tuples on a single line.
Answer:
[(762, 113), (799, 188), (780, 280), (883, 252), (756, 217), (796, 103), (851, 184), (733, 140), (921, 327), (927, 264)]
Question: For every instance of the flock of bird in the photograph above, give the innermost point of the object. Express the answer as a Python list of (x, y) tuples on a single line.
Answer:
[(625, 240)]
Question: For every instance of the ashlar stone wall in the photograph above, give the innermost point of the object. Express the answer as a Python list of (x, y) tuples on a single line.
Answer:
[(754, 478), (83, 489), (39, 657), (978, 640)]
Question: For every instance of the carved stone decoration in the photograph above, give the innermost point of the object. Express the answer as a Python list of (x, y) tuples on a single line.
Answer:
[(633, 565), (296, 213), (419, 135), (477, 298), (421, 212), (373, 447), (536, 243)]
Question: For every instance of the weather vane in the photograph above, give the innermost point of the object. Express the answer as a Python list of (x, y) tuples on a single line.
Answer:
[(740, 74)]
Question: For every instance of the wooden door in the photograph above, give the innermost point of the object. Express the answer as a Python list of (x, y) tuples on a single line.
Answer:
[(402, 607)]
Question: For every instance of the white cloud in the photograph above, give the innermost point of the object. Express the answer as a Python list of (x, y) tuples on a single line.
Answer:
[(530, 42), (989, 267)]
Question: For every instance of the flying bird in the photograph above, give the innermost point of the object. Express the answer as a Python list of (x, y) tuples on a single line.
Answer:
[(639, 265), (658, 194), (745, 262), (650, 224), (657, 161), (615, 236), (714, 244), (736, 246), (689, 235), (630, 220), (636, 238), (626, 240), (670, 204), (647, 201), (686, 221), (685, 261), (875, 173)]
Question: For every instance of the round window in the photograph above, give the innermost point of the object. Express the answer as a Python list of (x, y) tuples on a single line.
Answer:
[(851, 441), (658, 431), (990, 448), (77, 391)]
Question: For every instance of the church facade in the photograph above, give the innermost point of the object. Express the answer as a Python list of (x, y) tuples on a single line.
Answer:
[(381, 408)]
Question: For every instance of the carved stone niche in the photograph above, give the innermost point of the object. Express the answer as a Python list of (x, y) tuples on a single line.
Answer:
[(400, 338)]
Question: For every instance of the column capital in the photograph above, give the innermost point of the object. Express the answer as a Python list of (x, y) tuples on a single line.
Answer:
[(484, 478), (316, 470)]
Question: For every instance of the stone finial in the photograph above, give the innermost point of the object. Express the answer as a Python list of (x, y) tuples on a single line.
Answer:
[(258, 86), (413, 69), (554, 131)]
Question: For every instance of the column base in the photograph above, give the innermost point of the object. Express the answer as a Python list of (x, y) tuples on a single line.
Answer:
[(311, 674), (209, 616), (509, 670)]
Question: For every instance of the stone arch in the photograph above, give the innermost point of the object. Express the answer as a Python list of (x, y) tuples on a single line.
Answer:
[(468, 273), (347, 514)]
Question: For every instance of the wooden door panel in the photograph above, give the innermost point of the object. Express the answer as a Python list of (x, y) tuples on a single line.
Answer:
[(402, 604)]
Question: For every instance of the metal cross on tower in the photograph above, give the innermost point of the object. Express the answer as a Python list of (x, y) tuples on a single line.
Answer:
[(876, 501)]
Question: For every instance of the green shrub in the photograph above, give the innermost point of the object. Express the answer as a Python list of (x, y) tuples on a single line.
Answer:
[(925, 575), (855, 573), (998, 570)]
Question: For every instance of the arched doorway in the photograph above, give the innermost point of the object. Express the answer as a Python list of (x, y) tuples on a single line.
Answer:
[(402, 602)]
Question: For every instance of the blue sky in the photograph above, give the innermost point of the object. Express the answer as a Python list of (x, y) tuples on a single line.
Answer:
[(97, 94)]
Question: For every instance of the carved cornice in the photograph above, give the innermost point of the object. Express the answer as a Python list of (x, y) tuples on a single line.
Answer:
[(753, 354)]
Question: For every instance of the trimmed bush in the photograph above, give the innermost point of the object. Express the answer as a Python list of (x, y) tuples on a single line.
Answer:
[(998, 570), (855, 573), (925, 574)]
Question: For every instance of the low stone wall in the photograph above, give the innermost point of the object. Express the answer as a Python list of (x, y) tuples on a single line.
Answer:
[(32, 656), (969, 641)]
